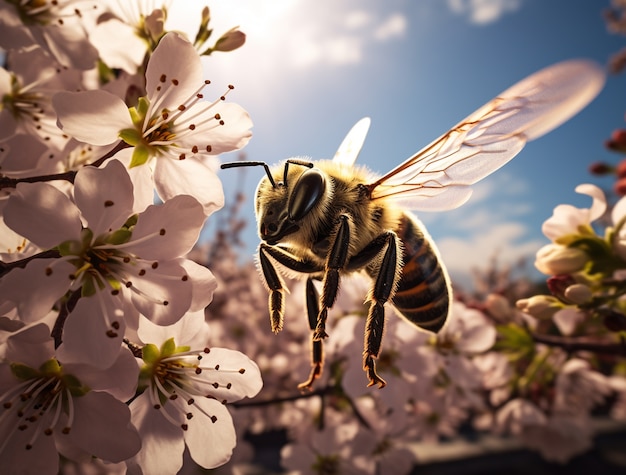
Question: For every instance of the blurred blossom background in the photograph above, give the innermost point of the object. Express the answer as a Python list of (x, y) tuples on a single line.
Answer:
[(310, 70)]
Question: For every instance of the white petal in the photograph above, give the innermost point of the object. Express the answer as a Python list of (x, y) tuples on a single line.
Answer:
[(173, 59), (167, 231), (234, 134), (102, 427), (598, 207), (118, 45), (162, 442), (188, 177), (88, 336), (210, 441), (119, 379), (204, 284), (94, 117), (35, 288), (163, 294), (42, 214), (238, 376), (106, 208)]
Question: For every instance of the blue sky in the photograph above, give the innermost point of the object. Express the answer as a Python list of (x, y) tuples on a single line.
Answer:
[(310, 70)]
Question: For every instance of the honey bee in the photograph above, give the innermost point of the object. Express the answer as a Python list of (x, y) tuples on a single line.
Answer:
[(320, 220)]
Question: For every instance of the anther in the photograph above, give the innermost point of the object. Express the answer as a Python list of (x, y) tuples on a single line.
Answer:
[(162, 78), (242, 370), (108, 203), (213, 419), (49, 271), (155, 264)]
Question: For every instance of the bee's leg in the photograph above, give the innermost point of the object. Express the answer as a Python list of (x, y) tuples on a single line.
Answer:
[(336, 261), (317, 350), (275, 282), (386, 277), (277, 290)]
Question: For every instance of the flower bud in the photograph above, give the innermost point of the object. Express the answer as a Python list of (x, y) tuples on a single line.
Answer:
[(620, 187), (542, 307), (600, 168), (617, 142), (554, 259), (558, 283), (615, 321), (578, 293), (230, 40)]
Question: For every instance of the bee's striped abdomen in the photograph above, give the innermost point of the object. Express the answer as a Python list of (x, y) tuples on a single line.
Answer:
[(423, 293)]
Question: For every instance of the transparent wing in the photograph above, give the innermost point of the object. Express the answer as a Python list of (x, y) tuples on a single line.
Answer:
[(439, 176), (353, 142)]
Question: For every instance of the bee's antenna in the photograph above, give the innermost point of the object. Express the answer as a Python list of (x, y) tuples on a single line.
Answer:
[(295, 161), (250, 164)]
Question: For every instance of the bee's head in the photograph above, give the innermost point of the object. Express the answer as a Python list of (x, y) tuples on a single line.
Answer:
[(285, 197)]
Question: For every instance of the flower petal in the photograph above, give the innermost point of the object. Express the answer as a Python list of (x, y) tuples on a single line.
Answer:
[(162, 442), (237, 377), (106, 208), (211, 442), (167, 231), (102, 427), (35, 288), (162, 293), (89, 335), (188, 177), (203, 281), (42, 214), (94, 117), (174, 71)]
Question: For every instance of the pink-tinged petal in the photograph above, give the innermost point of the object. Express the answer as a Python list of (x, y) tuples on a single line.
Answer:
[(119, 380), (143, 181), (93, 331), (94, 117), (234, 134), (104, 196), (619, 211), (190, 331), (42, 458), (42, 214), (203, 281), (174, 60), (118, 44), (238, 376), (188, 177), (598, 207), (102, 427), (162, 442), (31, 346), (568, 319), (35, 288), (211, 441), (167, 231), (163, 293)]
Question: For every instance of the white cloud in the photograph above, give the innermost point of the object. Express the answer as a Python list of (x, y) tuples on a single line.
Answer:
[(482, 12), (505, 241), (358, 19), (394, 26)]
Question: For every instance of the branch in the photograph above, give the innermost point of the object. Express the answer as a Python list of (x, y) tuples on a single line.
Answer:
[(572, 344), (6, 182), (6, 267)]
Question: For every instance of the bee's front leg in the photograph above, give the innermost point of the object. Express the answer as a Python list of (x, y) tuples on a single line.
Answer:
[(275, 282), (336, 260)]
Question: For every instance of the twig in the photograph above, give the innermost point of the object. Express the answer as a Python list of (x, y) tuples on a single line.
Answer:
[(572, 344)]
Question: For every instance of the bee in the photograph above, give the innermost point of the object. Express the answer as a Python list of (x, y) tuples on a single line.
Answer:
[(320, 220)]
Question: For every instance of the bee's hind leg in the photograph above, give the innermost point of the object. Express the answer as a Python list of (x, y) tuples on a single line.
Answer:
[(317, 346), (385, 281)]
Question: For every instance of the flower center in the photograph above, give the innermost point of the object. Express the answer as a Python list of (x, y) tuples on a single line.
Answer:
[(38, 402)]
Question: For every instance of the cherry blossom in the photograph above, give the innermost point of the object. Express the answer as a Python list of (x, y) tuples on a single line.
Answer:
[(26, 89), (99, 241), (57, 27), (186, 388), (52, 408), (171, 129)]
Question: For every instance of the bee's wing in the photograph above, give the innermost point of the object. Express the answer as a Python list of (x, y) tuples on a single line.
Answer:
[(351, 146), (438, 176)]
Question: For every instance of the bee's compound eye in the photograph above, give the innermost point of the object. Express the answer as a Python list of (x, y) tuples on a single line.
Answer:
[(307, 192)]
